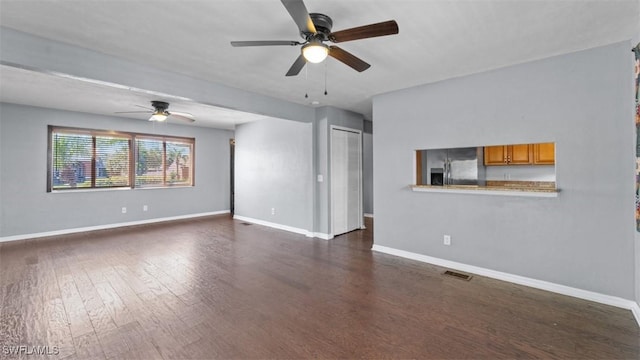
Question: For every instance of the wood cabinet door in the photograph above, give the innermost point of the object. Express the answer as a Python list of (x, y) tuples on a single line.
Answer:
[(544, 153), (495, 155), (520, 154)]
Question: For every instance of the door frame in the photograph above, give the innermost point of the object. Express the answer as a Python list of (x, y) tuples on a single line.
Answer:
[(232, 175), (360, 172)]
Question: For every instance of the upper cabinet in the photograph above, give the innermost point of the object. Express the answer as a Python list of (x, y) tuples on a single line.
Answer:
[(495, 155), (508, 155), (521, 154), (544, 153)]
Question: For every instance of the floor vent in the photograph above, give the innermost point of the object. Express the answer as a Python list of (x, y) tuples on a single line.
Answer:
[(246, 223), (457, 275)]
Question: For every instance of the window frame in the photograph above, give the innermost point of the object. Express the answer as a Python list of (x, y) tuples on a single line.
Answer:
[(132, 138), (165, 139)]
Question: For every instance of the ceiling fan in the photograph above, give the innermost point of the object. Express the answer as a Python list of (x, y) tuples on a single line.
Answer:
[(160, 112), (315, 29)]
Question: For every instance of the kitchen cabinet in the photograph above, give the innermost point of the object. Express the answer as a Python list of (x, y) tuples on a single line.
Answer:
[(521, 154), (544, 154), (495, 155)]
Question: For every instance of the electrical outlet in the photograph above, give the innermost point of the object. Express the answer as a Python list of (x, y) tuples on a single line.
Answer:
[(273, 211), (145, 208), (124, 210), (447, 240)]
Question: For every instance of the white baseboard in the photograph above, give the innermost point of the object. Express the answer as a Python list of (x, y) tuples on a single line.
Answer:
[(368, 215), (108, 226), (274, 225), (635, 309), (284, 227), (323, 236), (516, 279)]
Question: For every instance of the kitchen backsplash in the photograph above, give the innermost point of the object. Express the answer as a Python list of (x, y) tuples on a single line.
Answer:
[(521, 173)]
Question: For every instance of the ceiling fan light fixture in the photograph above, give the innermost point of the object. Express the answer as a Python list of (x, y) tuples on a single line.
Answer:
[(315, 52), (158, 116)]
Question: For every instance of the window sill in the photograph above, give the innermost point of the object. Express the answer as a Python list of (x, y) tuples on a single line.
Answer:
[(80, 190), (485, 190), (164, 187), (89, 190)]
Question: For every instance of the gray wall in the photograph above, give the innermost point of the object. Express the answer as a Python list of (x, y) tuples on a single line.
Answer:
[(273, 169), (27, 208), (581, 101), (292, 155)]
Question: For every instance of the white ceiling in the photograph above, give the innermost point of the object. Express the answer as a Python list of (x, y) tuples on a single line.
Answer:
[(437, 40)]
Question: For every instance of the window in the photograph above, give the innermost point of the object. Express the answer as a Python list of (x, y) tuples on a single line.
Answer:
[(149, 162), (163, 161), (88, 159), (91, 159)]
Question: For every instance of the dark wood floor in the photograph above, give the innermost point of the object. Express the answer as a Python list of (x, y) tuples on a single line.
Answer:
[(218, 288)]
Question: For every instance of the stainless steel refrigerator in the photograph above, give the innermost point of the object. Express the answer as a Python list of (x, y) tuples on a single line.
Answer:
[(455, 166)]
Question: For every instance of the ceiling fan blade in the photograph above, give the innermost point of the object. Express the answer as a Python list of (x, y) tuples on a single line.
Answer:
[(133, 112), (297, 66), (348, 58), (182, 116), (265, 43), (300, 15), (145, 107), (367, 31)]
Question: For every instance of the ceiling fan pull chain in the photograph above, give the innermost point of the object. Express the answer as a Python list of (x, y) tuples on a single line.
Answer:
[(306, 82), (325, 78)]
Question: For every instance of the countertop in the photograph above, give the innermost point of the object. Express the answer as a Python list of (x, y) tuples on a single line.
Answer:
[(511, 189)]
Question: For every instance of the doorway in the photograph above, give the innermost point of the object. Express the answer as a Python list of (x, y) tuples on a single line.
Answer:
[(346, 180)]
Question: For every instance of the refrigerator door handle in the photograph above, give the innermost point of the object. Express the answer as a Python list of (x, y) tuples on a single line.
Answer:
[(448, 176), (446, 173)]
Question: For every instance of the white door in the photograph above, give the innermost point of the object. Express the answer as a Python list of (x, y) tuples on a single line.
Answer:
[(346, 180)]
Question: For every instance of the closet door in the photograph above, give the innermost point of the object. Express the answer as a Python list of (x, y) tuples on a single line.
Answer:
[(346, 180)]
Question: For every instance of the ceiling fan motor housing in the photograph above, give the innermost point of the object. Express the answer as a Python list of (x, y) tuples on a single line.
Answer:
[(160, 106), (323, 25)]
